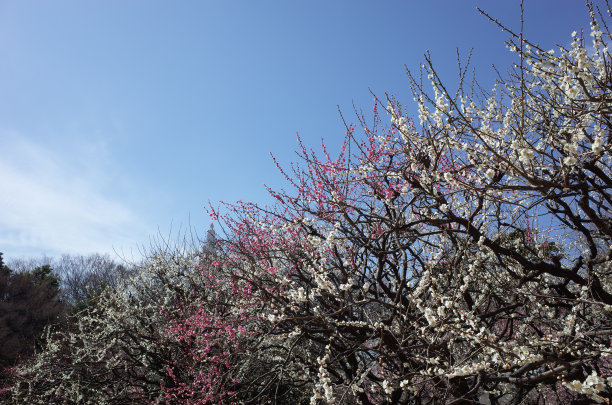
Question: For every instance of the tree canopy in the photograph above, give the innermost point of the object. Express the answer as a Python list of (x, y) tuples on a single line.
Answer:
[(29, 301)]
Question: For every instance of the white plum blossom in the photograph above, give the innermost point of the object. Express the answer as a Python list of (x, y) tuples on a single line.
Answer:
[(597, 144), (526, 155), (570, 161)]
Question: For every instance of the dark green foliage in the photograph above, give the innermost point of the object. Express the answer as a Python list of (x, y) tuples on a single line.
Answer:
[(3, 268), (44, 275), (29, 301)]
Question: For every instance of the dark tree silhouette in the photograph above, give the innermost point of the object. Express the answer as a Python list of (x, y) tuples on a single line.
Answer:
[(28, 302)]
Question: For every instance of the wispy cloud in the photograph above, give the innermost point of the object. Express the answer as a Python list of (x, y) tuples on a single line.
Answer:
[(51, 204)]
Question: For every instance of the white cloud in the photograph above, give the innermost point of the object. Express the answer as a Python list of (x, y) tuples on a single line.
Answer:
[(49, 203)]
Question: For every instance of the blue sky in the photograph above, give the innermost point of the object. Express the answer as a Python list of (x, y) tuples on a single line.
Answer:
[(122, 119)]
